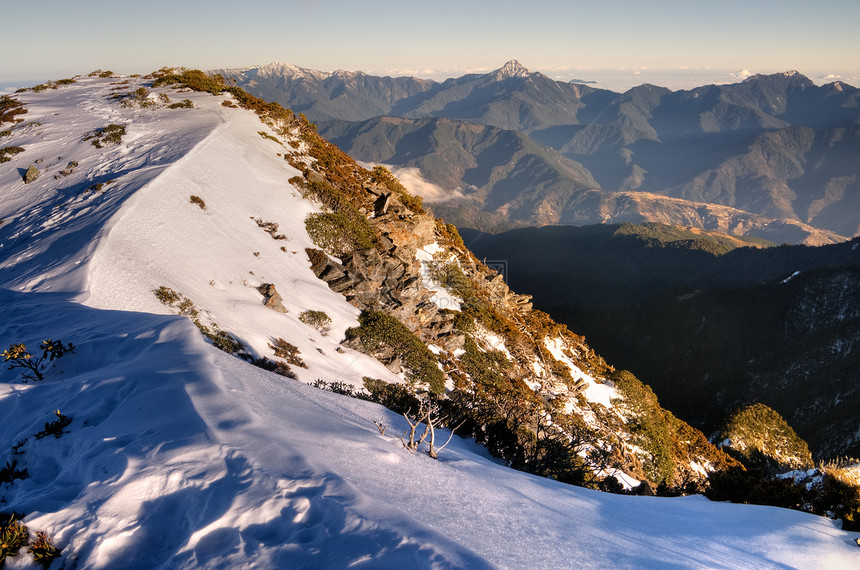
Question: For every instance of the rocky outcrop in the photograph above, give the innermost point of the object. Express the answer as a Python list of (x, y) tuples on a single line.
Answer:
[(499, 354), (32, 174), (271, 298), (384, 281)]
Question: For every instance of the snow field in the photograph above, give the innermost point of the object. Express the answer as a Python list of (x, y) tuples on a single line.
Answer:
[(180, 456)]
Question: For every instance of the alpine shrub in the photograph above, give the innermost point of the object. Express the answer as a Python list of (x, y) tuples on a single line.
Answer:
[(42, 551), (317, 319), (9, 108), (378, 331), (19, 357), (13, 537), (8, 151), (109, 135)]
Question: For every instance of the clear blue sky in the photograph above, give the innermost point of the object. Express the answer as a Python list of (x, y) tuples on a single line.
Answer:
[(50, 39)]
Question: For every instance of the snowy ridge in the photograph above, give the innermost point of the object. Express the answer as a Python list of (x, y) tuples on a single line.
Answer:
[(180, 456), (280, 69)]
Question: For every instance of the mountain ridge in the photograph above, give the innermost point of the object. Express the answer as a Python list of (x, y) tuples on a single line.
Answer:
[(683, 144), (167, 233)]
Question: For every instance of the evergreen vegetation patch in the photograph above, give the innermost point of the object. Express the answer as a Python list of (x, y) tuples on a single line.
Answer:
[(379, 331), (10, 108), (339, 233), (109, 135), (382, 175), (652, 426), (14, 536), (317, 319), (184, 104), (655, 234), (760, 437), (8, 151)]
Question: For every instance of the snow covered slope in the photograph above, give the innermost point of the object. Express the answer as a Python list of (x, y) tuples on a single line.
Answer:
[(180, 456)]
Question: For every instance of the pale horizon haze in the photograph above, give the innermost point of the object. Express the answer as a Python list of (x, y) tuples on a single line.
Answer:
[(616, 45)]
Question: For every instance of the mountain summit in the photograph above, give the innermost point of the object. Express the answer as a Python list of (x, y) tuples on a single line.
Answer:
[(511, 69)]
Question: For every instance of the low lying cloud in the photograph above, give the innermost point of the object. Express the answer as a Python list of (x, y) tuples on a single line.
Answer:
[(417, 185)]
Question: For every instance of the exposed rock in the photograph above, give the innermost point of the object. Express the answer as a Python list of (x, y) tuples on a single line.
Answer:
[(31, 174), (270, 228), (70, 168), (380, 207), (314, 176), (271, 298)]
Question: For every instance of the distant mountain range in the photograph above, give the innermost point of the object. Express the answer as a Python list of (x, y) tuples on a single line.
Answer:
[(778, 150)]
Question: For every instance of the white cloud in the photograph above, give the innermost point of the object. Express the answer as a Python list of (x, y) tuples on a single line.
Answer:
[(411, 178)]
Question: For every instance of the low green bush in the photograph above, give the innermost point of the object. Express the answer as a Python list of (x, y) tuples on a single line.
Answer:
[(184, 104), (11, 472), (42, 550), (56, 427), (137, 98), (317, 319), (109, 135), (193, 79), (266, 135), (10, 108), (449, 275), (653, 431), (395, 397), (340, 233), (13, 537), (379, 331), (288, 352), (8, 151), (221, 339), (759, 437)]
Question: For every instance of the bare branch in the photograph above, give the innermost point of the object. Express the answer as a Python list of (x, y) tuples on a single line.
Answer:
[(380, 426), (412, 445), (435, 455)]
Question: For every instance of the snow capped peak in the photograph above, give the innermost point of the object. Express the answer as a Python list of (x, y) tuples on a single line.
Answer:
[(280, 69), (511, 69), (276, 69), (344, 74)]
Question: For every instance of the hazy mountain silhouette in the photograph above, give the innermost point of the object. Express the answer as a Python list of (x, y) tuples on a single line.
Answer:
[(774, 146)]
